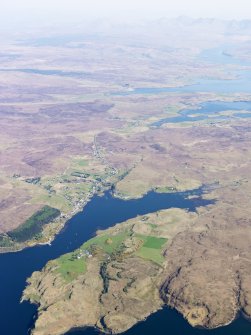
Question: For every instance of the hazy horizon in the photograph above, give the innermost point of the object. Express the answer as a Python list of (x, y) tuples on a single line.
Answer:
[(27, 12)]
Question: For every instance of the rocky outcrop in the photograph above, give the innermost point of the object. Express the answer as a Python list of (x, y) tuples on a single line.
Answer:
[(63, 306), (211, 285), (131, 295)]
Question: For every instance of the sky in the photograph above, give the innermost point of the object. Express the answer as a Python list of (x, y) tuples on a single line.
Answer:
[(16, 11)]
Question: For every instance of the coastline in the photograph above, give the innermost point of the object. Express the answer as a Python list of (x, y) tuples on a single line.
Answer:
[(60, 223)]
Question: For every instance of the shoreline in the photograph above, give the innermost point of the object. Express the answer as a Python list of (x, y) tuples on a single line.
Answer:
[(165, 307), (62, 223), (64, 218)]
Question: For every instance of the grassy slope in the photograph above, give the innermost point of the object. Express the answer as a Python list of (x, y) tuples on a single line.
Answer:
[(70, 266), (152, 248)]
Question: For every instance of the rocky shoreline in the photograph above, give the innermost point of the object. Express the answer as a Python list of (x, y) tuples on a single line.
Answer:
[(137, 267)]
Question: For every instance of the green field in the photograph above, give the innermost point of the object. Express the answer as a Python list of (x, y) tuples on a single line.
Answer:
[(165, 189), (154, 242), (152, 248), (107, 243), (82, 162), (153, 255), (53, 200), (70, 266)]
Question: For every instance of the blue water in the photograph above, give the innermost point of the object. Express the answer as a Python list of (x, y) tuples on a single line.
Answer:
[(222, 55), (101, 212), (241, 84), (170, 322), (64, 41), (71, 74), (210, 110)]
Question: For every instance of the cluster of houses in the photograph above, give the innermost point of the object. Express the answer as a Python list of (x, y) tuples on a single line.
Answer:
[(84, 253)]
